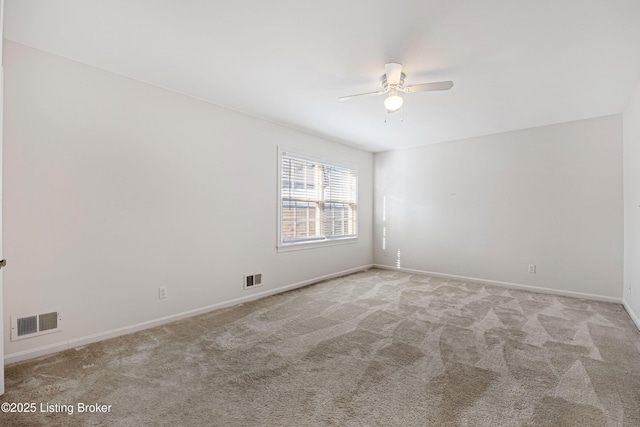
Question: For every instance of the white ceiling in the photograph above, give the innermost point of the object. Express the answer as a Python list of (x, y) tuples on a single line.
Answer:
[(515, 63)]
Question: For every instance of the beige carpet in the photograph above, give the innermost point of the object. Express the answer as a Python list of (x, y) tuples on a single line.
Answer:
[(377, 348)]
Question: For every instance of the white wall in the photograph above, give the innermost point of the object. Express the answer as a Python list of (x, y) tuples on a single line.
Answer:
[(487, 207), (114, 187), (631, 137)]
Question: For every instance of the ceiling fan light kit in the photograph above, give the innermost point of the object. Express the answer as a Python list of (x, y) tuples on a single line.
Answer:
[(393, 102), (393, 83)]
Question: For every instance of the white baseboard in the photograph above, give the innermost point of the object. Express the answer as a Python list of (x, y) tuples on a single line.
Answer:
[(505, 284), (631, 314), (82, 341)]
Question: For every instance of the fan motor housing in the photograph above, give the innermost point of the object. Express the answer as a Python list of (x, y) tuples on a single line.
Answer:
[(386, 86)]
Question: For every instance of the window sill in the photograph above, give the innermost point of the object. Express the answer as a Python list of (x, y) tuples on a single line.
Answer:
[(288, 247)]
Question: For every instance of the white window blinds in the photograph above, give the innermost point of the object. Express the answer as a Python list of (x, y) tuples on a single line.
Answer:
[(318, 200)]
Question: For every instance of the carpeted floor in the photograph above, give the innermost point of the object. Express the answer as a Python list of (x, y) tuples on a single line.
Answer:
[(378, 348)]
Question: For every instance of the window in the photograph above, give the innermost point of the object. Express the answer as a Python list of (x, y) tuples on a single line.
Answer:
[(318, 201)]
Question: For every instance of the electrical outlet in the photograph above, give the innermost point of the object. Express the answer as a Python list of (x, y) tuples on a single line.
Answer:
[(162, 292), (532, 268)]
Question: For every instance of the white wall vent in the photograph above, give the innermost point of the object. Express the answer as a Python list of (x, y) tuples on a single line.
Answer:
[(252, 280), (32, 325)]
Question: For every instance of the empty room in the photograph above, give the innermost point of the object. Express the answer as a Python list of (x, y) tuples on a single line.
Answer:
[(356, 213)]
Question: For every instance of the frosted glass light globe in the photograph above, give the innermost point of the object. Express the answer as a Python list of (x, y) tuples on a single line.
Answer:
[(393, 102)]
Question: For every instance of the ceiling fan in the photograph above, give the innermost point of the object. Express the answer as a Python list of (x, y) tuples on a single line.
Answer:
[(393, 84)]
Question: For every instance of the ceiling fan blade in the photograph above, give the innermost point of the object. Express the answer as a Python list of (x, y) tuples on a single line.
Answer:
[(344, 98), (429, 87), (393, 72)]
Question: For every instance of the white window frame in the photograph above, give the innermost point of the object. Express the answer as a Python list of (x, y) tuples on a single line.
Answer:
[(311, 242)]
